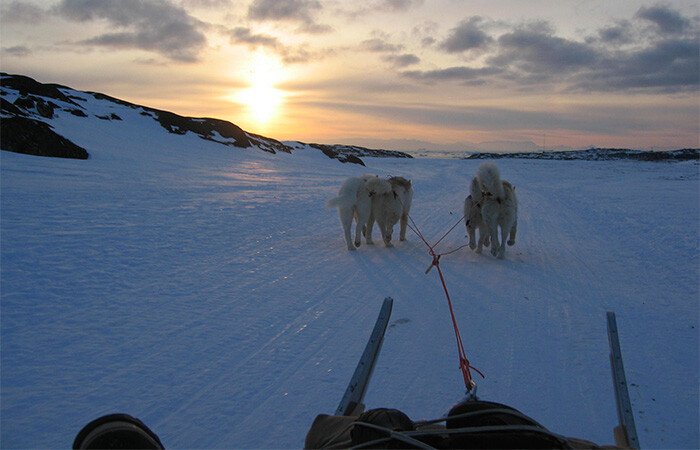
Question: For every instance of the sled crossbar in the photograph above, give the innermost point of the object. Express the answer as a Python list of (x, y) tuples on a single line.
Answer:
[(626, 432)]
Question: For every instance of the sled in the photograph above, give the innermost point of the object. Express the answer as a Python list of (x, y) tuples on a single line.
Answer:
[(471, 423)]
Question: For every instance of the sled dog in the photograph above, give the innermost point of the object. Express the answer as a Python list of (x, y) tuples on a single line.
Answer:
[(499, 207), (390, 207), (354, 202), (473, 218)]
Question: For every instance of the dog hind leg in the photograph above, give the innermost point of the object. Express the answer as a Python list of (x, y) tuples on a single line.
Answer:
[(404, 224), (513, 231), (346, 216)]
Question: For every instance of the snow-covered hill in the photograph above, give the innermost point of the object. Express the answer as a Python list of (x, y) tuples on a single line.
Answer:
[(209, 292), (29, 110)]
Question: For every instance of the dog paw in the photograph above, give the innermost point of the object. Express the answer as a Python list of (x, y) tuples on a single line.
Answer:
[(472, 245), (511, 243)]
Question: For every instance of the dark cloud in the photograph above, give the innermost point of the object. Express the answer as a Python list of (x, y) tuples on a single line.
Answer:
[(534, 49), (242, 35), (156, 25), (402, 61), (666, 19), (666, 66), (620, 33), (297, 11), (468, 35), (21, 13)]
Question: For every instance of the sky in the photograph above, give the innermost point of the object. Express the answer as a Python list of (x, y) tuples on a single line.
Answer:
[(397, 74)]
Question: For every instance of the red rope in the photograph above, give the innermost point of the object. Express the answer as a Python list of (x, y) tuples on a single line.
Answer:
[(464, 365)]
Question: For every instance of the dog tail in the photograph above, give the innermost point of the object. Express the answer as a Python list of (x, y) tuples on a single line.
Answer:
[(475, 190), (490, 179), (332, 203)]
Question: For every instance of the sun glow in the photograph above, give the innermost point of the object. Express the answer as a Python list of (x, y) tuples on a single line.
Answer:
[(262, 100)]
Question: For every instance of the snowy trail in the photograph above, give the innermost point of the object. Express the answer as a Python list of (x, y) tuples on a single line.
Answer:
[(211, 295)]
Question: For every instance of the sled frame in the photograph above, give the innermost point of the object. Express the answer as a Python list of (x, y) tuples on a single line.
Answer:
[(351, 403), (626, 432)]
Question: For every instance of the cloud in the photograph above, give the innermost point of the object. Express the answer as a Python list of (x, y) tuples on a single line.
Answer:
[(468, 35), (21, 13), (299, 11), (670, 65), (153, 25), (624, 56), (666, 19), (403, 60), (379, 45), (398, 5), (394, 56), (361, 10), (18, 50), (462, 74), (289, 55), (534, 49), (242, 35), (207, 4), (620, 33)]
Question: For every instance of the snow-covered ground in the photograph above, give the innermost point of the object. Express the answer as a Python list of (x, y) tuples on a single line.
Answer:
[(207, 291)]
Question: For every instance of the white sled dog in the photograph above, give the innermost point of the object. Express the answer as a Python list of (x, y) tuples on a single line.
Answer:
[(391, 207), (499, 207), (354, 201), (473, 218)]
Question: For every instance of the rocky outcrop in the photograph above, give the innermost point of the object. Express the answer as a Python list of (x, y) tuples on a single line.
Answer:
[(33, 137)]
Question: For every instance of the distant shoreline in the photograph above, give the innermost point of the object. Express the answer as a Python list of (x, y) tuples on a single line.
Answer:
[(594, 154)]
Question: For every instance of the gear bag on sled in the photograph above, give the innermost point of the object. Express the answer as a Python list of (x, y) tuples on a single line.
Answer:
[(471, 424)]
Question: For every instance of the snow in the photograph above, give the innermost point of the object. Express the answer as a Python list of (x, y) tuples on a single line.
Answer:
[(207, 291)]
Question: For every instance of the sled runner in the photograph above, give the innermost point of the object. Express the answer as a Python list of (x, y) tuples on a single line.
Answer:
[(351, 404)]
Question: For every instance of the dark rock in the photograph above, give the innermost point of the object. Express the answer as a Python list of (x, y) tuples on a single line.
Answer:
[(27, 86), (205, 128), (33, 137), (351, 153), (78, 112)]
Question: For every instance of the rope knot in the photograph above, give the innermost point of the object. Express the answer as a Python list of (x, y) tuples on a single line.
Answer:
[(436, 261)]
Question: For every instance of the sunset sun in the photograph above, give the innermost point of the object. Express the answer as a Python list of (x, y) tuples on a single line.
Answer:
[(262, 99)]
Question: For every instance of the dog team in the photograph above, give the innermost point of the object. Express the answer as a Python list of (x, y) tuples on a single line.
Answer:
[(491, 204)]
